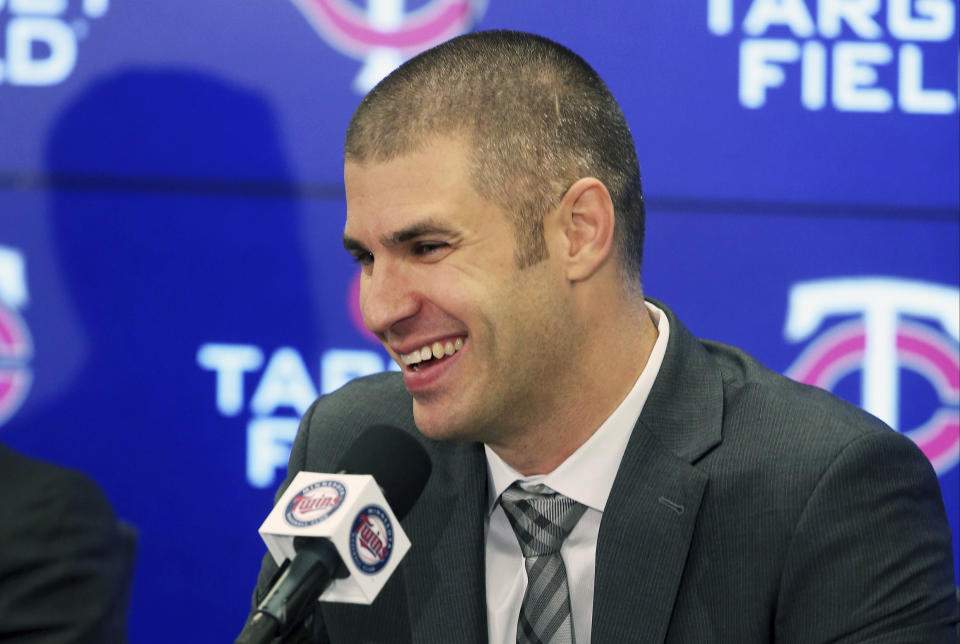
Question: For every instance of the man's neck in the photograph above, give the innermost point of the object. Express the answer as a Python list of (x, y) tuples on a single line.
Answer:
[(602, 374)]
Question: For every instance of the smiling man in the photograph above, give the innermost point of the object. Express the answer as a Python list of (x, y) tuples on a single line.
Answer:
[(599, 474), (526, 355)]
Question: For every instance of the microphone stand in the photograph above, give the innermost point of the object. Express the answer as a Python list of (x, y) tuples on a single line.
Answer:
[(301, 581)]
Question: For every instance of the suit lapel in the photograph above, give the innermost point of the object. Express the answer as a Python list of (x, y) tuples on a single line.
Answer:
[(651, 513)]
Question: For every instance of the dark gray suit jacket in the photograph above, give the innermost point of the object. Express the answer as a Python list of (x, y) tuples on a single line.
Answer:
[(65, 562), (747, 508)]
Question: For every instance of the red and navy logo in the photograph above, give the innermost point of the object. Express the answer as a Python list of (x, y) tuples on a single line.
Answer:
[(315, 503), (384, 33), (371, 539), (16, 349)]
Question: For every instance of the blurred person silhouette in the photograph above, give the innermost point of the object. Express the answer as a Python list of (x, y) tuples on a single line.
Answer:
[(65, 561)]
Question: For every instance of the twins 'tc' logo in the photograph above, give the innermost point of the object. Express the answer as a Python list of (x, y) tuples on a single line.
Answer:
[(384, 33), (16, 346), (881, 341), (15, 351)]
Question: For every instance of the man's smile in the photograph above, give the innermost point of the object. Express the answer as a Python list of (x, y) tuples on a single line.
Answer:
[(431, 353)]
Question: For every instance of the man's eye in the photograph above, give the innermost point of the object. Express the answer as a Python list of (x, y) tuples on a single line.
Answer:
[(364, 259), (425, 248)]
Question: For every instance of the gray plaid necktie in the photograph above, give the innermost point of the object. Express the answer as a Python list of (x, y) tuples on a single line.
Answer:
[(542, 519)]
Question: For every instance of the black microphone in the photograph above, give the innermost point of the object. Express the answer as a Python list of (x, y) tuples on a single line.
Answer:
[(401, 467)]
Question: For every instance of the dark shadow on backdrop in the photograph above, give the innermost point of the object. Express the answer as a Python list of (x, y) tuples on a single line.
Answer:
[(158, 261)]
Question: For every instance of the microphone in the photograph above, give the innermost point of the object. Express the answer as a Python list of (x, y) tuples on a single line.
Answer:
[(319, 545)]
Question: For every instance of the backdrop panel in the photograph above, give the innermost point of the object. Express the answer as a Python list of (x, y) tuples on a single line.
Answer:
[(173, 293)]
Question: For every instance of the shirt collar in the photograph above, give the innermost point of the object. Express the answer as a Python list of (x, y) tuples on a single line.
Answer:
[(587, 475)]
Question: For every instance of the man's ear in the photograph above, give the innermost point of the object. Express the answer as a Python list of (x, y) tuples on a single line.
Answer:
[(587, 220)]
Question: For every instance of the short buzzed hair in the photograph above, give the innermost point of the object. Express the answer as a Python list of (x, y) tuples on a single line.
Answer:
[(538, 118)]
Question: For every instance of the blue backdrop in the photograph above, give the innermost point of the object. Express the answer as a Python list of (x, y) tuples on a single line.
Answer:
[(173, 293)]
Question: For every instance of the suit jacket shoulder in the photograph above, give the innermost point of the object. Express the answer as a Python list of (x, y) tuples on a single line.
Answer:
[(64, 564), (802, 517)]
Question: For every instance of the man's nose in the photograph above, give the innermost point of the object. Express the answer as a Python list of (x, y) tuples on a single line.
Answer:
[(387, 296)]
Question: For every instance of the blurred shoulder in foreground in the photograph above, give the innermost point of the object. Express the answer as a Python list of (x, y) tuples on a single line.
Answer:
[(65, 561)]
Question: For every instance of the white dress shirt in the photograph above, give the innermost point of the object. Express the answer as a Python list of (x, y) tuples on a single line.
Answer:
[(587, 477)]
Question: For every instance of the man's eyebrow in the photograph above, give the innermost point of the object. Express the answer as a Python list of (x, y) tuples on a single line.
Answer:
[(352, 245), (413, 231), (417, 229)]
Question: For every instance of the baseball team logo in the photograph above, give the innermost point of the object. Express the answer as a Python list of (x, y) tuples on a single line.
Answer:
[(384, 33), (16, 346), (371, 539), (885, 338), (315, 503), (16, 349)]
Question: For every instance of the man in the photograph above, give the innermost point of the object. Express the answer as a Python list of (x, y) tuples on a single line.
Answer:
[(494, 204), (65, 563)]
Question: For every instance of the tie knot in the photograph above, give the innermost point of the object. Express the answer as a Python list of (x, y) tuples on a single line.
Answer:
[(541, 519)]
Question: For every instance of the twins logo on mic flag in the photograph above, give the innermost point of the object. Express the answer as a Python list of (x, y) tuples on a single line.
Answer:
[(350, 511)]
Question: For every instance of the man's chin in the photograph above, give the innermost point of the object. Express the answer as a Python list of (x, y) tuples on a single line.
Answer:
[(442, 425)]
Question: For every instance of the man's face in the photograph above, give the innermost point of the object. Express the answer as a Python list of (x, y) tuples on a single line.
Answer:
[(479, 340)]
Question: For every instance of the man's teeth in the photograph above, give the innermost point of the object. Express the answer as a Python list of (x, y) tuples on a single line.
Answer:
[(435, 350)]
